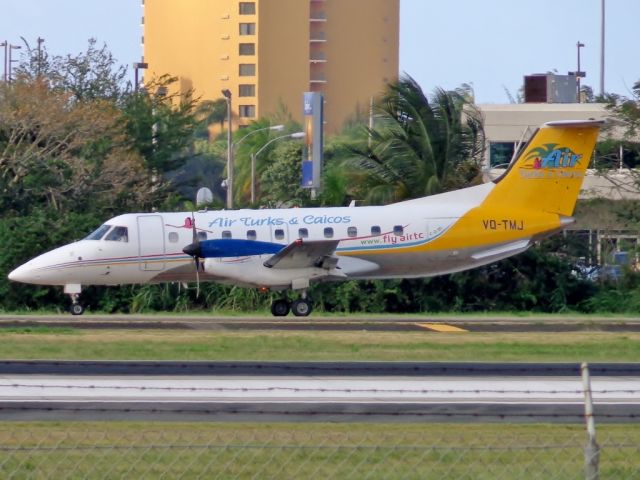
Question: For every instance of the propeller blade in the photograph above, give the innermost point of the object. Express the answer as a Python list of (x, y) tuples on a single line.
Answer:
[(193, 228), (197, 280), (195, 251)]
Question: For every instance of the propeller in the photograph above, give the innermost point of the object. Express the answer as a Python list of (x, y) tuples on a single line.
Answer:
[(194, 250)]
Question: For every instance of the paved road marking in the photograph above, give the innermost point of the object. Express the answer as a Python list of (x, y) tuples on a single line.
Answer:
[(442, 327)]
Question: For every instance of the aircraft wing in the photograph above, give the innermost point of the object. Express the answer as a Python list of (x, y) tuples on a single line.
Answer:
[(301, 254)]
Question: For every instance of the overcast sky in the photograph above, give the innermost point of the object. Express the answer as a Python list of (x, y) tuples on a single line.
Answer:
[(490, 44)]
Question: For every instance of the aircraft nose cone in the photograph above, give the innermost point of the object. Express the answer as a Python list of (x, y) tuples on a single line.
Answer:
[(21, 274), (193, 249)]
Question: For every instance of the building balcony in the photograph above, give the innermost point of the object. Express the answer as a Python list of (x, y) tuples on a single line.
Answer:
[(318, 78), (318, 37), (318, 16), (318, 57)]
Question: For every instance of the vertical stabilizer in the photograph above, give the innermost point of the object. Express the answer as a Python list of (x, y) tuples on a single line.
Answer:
[(548, 174)]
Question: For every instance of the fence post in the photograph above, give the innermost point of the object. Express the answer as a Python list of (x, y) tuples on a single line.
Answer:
[(591, 450)]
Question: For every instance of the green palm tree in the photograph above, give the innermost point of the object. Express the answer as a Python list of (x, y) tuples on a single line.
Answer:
[(209, 112), (419, 146)]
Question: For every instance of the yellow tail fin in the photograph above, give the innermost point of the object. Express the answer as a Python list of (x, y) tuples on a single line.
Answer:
[(548, 174)]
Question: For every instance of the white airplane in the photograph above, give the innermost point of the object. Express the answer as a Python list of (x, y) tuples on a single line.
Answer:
[(291, 248)]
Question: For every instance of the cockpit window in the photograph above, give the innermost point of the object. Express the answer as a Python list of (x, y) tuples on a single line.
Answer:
[(98, 233), (118, 234)]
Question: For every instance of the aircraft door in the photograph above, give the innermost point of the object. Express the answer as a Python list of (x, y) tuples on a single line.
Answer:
[(151, 247)]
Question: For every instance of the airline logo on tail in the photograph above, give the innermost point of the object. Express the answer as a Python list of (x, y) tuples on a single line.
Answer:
[(556, 161)]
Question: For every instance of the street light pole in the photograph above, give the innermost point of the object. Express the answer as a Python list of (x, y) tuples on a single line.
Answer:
[(254, 156), (227, 94), (276, 128), (136, 67)]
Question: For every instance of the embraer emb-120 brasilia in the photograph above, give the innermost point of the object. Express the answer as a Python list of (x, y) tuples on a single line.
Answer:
[(292, 248)]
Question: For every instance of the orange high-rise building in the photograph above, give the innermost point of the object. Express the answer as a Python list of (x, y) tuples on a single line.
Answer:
[(268, 52)]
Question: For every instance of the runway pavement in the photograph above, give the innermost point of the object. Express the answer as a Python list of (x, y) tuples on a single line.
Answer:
[(416, 323), (330, 396)]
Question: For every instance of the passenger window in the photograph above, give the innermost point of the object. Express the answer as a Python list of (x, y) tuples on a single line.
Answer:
[(352, 231), (226, 234), (303, 233), (279, 234), (98, 233), (118, 234), (398, 230), (173, 237), (375, 230), (202, 236), (252, 235), (328, 232)]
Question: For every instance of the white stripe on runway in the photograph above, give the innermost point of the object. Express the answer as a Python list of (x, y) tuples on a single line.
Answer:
[(556, 390)]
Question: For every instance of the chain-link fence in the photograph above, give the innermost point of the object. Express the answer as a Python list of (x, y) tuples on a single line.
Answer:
[(169, 450)]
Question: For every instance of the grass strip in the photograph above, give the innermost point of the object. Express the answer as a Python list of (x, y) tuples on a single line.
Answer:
[(73, 344), (309, 450)]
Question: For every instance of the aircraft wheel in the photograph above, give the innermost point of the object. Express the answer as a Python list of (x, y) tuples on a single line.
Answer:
[(301, 307), (76, 309), (280, 308)]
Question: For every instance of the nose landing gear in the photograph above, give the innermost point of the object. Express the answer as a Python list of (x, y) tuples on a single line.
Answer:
[(73, 290), (76, 308)]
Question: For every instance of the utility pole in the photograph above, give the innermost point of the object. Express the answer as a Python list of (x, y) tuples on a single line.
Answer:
[(40, 41), (602, 47), (11, 60), (579, 74), (4, 44)]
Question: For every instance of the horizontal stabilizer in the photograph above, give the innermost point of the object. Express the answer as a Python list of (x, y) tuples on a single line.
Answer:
[(503, 250)]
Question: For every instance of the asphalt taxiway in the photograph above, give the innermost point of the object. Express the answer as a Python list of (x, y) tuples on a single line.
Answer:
[(387, 323)]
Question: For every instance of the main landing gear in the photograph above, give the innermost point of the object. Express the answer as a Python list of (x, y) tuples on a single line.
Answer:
[(300, 308)]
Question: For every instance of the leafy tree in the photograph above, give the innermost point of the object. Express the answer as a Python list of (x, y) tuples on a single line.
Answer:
[(280, 182), (621, 139), (93, 74), (208, 112), (58, 152), (161, 124), (252, 139), (420, 146), (627, 110)]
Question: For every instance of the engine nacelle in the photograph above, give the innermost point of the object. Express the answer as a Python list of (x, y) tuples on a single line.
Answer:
[(251, 271)]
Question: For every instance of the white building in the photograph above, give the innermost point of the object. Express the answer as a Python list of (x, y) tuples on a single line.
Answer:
[(508, 127)]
